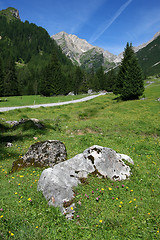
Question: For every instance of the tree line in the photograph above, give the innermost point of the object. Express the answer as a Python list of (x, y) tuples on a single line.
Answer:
[(32, 63)]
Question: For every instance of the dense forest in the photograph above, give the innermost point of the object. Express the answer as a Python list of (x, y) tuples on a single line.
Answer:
[(32, 63)]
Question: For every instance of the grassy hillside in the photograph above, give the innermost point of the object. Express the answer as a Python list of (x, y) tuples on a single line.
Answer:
[(125, 210), (149, 58)]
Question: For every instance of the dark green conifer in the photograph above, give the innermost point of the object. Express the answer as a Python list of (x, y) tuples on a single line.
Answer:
[(53, 81), (78, 79), (10, 79), (1, 79), (129, 83)]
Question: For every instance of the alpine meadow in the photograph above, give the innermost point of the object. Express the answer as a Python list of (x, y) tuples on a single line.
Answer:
[(123, 116)]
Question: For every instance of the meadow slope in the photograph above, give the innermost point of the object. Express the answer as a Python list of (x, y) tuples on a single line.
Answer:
[(104, 209)]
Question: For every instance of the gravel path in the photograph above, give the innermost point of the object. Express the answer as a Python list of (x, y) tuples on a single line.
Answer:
[(4, 109)]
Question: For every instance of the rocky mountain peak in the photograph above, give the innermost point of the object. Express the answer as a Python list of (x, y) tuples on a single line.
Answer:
[(86, 55), (11, 13), (80, 51), (72, 41)]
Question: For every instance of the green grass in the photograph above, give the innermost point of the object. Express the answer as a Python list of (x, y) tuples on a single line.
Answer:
[(123, 210), (35, 99)]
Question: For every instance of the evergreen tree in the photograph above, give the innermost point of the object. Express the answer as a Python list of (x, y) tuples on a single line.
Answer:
[(129, 83), (110, 81), (1, 79), (10, 79), (53, 81), (99, 80), (102, 78), (78, 79)]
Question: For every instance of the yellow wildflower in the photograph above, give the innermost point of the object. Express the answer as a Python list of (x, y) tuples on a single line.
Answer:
[(100, 221), (109, 188)]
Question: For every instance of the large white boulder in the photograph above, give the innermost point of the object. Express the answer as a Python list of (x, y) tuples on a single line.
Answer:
[(57, 183)]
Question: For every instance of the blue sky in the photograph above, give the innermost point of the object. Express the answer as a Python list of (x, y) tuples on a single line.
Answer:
[(109, 24)]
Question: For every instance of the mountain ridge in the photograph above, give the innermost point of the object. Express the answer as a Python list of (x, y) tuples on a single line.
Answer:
[(78, 50), (75, 47), (87, 56)]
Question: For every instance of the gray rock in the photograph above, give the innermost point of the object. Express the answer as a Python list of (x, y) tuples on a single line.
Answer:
[(12, 123), (42, 154), (35, 121), (8, 144), (57, 183), (107, 162), (47, 153), (71, 94)]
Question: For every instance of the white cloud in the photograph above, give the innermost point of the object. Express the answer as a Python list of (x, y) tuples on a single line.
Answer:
[(105, 26)]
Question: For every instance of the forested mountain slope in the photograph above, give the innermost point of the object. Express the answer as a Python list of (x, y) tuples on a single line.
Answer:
[(149, 57), (31, 48)]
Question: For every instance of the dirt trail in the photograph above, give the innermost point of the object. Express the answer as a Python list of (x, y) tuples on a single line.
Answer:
[(4, 109)]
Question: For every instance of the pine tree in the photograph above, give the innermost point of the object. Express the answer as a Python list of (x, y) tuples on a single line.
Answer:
[(1, 79), (78, 79), (101, 78), (53, 81), (110, 80), (10, 79), (129, 83)]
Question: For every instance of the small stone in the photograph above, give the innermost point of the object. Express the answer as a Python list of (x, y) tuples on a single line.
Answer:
[(8, 144)]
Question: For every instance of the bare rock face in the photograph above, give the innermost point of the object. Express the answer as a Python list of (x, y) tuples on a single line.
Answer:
[(79, 50), (15, 13), (56, 183), (11, 13)]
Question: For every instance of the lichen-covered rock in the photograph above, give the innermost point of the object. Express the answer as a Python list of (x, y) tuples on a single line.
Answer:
[(42, 154), (47, 153), (57, 183)]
